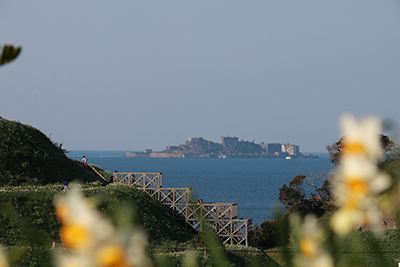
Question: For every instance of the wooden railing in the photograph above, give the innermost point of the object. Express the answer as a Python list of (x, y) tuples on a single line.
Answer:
[(221, 217), (139, 179)]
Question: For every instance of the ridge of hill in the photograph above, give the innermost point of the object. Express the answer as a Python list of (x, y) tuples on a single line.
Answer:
[(28, 157)]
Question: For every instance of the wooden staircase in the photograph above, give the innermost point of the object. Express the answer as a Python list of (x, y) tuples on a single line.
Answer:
[(93, 172), (220, 217)]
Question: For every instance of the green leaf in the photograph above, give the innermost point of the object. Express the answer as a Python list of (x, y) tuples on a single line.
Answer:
[(9, 54)]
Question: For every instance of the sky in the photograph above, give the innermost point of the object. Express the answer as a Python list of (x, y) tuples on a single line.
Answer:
[(132, 75)]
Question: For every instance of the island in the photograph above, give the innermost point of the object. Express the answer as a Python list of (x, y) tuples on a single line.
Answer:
[(229, 147)]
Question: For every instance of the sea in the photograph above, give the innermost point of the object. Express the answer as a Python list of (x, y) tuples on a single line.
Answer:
[(250, 182)]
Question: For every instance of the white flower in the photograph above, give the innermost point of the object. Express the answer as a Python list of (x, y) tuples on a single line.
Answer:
[(312, 244), (82, 226), (361, 138), (92, 240), (358, 181)]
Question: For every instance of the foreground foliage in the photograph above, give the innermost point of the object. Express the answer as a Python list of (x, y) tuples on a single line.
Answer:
[(29, 224), (33, 208), (9, 53)]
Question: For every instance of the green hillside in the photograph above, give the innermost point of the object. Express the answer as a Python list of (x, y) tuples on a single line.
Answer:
[(28, 157), (32, 170)]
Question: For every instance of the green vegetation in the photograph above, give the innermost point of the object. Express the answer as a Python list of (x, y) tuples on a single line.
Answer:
[(9, 53), (28, 157), (295, 200), (35, 205), (28, 224), (371, 249), (32, 171), (389, 149), (359, 248), (319, 201)]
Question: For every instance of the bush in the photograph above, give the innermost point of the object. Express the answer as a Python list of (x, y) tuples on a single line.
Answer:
[(265, 234)]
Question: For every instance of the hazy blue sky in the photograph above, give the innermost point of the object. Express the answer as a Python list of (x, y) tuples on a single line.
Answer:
[(130, 75)]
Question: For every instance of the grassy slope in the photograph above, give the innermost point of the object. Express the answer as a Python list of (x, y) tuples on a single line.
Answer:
[(27, 156), (32, 169), (34, 205)]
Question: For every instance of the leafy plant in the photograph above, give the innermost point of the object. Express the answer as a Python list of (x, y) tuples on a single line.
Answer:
[(9, 53)]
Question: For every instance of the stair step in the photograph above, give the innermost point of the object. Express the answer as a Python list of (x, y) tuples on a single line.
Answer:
[(93, 172), (177, 201)]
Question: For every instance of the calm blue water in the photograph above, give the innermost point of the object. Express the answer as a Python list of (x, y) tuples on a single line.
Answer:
[(252, 183)]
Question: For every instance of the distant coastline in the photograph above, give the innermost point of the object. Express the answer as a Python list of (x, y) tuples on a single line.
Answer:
[(229, 147)]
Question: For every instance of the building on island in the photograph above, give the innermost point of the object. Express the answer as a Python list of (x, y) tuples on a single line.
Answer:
[(229, 140), (273, 148), (229, 147), (292, 150)]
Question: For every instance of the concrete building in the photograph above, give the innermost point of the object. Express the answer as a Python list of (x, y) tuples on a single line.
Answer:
[(292, 150), (274, 147), (229, 140)]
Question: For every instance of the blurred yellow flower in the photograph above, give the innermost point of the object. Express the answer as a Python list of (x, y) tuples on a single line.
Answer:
[(357, 186), (354, 148), (3, 259), (358, 181), (92, 239), (112, 256), (308, 247), (360, 138), (312, 243), (62, 211), (75, 236)]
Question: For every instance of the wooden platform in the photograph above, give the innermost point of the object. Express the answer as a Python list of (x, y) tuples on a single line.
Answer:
[(220, 217)]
